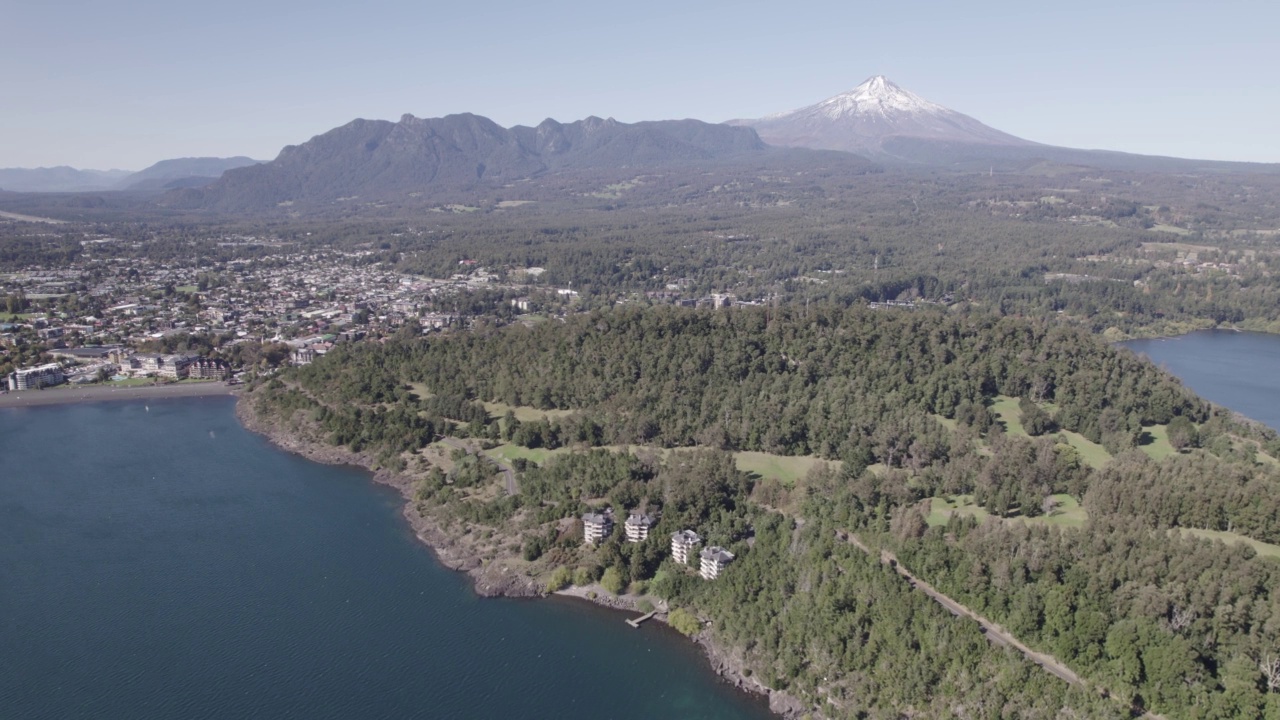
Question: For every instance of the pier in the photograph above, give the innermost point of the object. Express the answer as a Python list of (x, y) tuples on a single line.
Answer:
[(635, 622)]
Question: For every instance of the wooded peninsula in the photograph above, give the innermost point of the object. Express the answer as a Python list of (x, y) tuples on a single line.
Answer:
[(1046, 481)]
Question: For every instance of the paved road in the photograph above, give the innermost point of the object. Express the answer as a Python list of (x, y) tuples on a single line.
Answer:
[(508, 472)]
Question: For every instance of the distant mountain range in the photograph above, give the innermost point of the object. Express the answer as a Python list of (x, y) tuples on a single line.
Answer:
[(375, 160), (59, 179), (164, 175), (884, 122), (372, 159)]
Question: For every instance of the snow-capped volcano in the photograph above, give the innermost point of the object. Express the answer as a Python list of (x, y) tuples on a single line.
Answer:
[(878, 95), (865, 118)]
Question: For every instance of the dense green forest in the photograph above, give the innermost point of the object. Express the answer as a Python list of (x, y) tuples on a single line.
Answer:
[(646, 408)]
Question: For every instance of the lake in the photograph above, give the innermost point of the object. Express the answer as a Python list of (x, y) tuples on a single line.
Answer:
[(159, 561), (1238, 370)]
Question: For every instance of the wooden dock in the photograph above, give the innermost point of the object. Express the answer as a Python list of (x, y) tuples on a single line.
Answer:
[(635, 622)]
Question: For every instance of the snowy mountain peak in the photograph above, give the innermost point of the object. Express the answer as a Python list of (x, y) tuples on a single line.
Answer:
[(877, 96), (865, 118)]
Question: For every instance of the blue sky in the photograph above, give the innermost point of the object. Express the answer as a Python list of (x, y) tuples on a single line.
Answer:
[(124, 84)]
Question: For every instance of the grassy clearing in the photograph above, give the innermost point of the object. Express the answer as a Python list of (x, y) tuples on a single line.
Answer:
[(514, 203), (1170, 229), (131, 382), (1008, 414), (785, 469), (1155, 442), (1068, 512), (523, 413), (186, 289), (420, 391), (1090, 452), (1263, 549), (942, 509)]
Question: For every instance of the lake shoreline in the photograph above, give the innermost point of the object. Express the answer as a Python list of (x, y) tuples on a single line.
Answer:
[(66, 395), (497, 579)]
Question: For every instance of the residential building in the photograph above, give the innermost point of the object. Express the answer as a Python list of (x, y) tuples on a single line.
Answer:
[(304, 356), (33, 378), (714, 559), (596, 526), (682, 545), (208, 369), (174, 367), (637, 527)]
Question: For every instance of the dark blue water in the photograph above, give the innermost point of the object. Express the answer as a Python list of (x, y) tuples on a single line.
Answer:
[(1237, 370), (165, 563)]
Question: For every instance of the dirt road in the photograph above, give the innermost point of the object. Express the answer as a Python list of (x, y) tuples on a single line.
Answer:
[(994, 632)]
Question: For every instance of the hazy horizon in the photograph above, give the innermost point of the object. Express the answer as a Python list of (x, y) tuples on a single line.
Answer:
[(123, 87)]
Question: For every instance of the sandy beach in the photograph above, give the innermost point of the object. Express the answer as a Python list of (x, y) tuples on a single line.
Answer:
[(101, 393)]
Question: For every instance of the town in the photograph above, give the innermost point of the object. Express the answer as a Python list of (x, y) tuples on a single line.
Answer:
[(135, 320)]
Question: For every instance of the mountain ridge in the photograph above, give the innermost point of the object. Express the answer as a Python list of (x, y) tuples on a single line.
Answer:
[(463, 152)]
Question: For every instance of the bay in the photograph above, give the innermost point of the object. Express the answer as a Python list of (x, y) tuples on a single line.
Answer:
[(159, 561), (1238, 370)]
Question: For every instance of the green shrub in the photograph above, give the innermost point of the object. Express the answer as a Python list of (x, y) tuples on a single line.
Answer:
[(559, 579), (684, 621), (612, 580), (584, 576)]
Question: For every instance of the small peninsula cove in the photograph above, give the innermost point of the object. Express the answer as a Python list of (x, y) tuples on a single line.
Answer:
[(800, 611), (493, 571)]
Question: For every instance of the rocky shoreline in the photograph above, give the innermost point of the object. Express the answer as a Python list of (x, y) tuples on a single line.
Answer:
[(494, 579)]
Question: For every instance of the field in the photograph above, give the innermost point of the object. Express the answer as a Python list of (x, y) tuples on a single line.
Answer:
[(1007, 412), (1068, 512), (1155, 442), (786, 469), (782, 468), (523, 413), (1263, 549)]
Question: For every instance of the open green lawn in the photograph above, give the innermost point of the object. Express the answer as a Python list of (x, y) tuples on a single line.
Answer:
[(523, 413), (786, 469), (186, 289), (1068, 513), (783, 468), (1155, 442), (1263, 549), (1090, 452), (941, 509), (1007, 412), (131, 382)]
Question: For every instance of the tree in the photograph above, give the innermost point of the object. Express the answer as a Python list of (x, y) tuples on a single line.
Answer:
[(559, 579), (684, 621), (611, 580), (1183, 434)]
